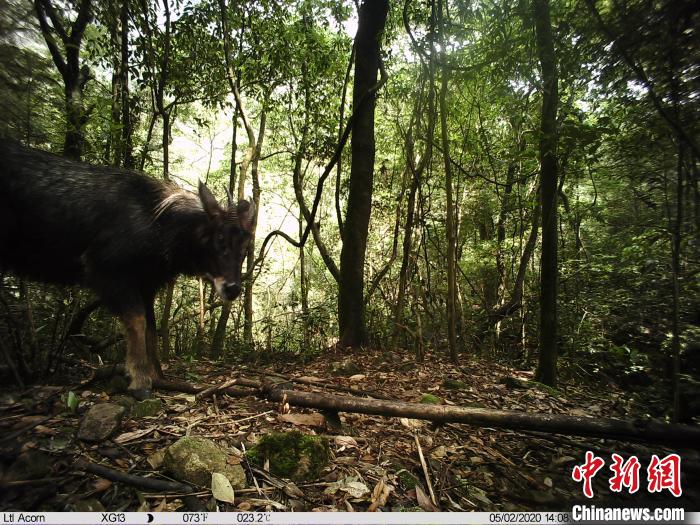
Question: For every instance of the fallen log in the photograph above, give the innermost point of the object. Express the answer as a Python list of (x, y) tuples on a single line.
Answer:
[(683, 436), (155, 485)]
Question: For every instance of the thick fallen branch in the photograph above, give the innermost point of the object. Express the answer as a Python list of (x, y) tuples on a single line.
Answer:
[(650, 431), (155, 485)]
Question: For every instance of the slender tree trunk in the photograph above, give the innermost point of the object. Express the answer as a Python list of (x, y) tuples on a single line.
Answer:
[(372, 18), (217, 343), (164, 332), (450, 208), (547, 365), (167, 304), (303, 287), (250, 259), (405, 257), (675, 278), (113, 147), (127, 143)]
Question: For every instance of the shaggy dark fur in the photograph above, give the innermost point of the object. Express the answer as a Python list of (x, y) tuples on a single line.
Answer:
[(118, 232)]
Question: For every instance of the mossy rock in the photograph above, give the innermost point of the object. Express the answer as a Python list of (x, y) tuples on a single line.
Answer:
[(454, 384), (147, 408), (194, 459), (430, 399), (292, 455)]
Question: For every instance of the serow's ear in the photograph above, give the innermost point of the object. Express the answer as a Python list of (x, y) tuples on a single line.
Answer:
[(209, 201), (246, 215)]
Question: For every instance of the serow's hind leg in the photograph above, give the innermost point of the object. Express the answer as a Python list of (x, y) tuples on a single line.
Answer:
[(137, 365)]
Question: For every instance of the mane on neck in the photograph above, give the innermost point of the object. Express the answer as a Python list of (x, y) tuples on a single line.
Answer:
[(176, 199)]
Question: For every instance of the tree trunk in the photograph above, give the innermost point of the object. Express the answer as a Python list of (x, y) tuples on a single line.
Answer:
[(547, 366), (113, 146), (127, 143), (677, 236), (450, 208), (372, 17), (250, 259), (164, 332), (217, 344), (74, 76), (303, 288)]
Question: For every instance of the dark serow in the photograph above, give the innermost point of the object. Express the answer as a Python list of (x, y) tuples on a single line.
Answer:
[(119, 232)]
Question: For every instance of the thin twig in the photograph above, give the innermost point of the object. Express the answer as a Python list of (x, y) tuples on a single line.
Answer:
[(425, 471)]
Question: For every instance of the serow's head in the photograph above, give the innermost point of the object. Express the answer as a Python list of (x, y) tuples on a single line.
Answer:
[(225, 241)]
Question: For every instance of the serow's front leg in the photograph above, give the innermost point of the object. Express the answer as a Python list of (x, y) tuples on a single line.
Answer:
[(137, 363)]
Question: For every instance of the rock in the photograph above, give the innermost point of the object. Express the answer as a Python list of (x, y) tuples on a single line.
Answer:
[(31, 464), (147, 408), (100, 422), (193, 460)]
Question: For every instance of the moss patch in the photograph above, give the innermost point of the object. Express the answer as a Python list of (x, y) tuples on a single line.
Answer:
[(430, 399), (292, 455), (453, 384)]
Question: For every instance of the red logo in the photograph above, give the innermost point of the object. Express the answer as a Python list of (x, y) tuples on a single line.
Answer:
[(661, 474), (665, 474), (587, 472), (626, 474)]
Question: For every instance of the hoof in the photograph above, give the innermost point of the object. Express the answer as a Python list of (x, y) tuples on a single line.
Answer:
[(140, 394)]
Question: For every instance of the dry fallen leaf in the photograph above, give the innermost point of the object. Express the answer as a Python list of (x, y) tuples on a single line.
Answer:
[(411, 423), (155, 460), (221, 488), (309, 420), (563, 460), (357, 377), (44, 431), (345, 441), (131, 436), (424, 501), (438, 452), (380, 495), (101, 484), (354, 488)]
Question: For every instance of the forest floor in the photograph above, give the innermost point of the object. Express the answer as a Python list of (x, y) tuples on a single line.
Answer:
[(375, 462)]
